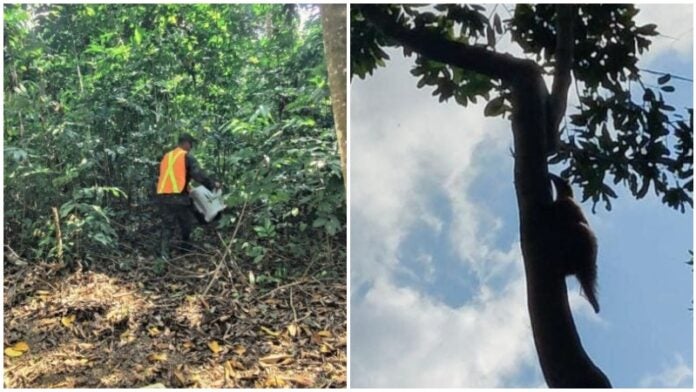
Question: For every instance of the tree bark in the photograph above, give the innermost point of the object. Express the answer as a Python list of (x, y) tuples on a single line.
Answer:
[(333, 20), (563, 360)]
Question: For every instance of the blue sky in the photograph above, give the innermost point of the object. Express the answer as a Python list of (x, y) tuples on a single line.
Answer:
[(437, 287)]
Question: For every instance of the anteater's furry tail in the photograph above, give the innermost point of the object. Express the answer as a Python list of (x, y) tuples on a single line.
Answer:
[(589, 290)]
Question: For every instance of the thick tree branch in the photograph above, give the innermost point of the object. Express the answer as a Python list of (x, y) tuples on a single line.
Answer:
[(558, 101), (495, 65)]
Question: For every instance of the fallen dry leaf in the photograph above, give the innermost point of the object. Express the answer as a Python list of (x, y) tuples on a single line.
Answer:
[(76, 362), (303, 381), (180, 377), (270, 332), (10, 352), (273, 381), (17, 349), (239, 349), (153, 331), (306, 330), (273, 358), (229, 370), (292, 330), (214, 346), (127, 337), (21, 346), (46, 322), (157, 357), (195, 378), (329, 368), (339, 378), (67, 321), (325, 348), (235, 364)]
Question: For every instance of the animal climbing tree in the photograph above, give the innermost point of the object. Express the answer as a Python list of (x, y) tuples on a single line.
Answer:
[(623, 132)]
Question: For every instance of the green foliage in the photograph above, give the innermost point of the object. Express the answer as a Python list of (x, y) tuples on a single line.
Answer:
[(608, 46), (623, 131), (96, 93), (637, 144), (85, 225)]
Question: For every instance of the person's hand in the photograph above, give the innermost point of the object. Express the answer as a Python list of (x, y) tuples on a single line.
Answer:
[(218, 185)]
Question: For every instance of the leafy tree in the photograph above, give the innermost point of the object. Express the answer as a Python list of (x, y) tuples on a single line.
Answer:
[(623, 132), (96, 93)]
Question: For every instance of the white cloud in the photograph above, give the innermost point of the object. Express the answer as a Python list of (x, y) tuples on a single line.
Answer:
[(398, 146), (426, 261), (675, 375), (406, 339), (432, 221), (475, 228)]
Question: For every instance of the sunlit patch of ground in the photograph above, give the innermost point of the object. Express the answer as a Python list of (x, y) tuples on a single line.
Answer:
[(105, 328)]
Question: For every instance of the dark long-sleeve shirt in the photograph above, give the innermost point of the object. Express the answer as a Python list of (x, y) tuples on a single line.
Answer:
[(194, 171)]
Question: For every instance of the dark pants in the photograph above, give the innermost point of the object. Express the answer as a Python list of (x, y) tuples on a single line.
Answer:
[(173, 216)]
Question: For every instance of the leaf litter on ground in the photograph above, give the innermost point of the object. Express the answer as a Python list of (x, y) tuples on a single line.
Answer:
[(112, 328)]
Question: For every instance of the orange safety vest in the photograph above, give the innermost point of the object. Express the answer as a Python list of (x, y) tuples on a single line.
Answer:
[(172, 176)]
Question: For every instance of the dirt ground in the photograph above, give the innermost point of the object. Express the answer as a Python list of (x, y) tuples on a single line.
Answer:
[(189, 327)]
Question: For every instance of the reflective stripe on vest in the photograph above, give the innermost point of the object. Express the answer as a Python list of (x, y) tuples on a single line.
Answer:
[(172, 176)]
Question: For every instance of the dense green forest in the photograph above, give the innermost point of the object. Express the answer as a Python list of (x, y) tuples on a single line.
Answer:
[(94, 96)]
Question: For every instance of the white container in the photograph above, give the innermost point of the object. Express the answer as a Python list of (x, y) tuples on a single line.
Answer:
[(206, 202)]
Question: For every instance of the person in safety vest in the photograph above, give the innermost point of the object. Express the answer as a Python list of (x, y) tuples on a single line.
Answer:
[(177, 168)]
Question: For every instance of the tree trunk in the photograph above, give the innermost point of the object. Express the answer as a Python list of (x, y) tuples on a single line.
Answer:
[(563, 360), (333, 20)]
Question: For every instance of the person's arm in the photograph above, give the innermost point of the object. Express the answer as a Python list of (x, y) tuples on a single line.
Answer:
[(195, 172)]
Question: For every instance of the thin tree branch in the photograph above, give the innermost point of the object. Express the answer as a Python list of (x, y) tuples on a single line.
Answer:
[(558, 100)]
